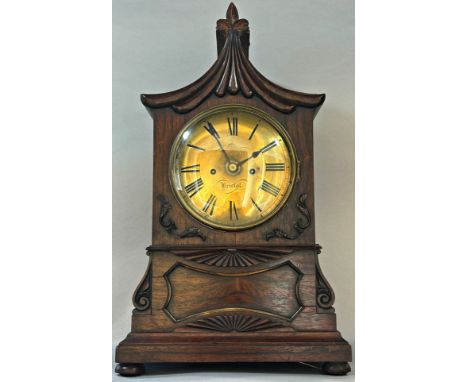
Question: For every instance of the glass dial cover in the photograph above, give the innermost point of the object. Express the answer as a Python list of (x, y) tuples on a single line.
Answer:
[(233, 167)]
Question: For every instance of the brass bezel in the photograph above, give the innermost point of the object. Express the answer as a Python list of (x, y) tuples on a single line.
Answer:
[(249, 109)]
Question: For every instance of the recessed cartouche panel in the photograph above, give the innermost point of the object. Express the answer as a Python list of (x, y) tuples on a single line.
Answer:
[(233, 167)]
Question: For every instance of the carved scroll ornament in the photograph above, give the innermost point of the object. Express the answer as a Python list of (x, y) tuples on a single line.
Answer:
[(299, 226), (170, 226), (142, 295), (325, 294)]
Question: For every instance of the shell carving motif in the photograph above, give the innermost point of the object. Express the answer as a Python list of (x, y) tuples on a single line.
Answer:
[(235, 323), (236, 258)]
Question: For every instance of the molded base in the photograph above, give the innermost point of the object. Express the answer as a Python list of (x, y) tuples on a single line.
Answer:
[(327, 348)]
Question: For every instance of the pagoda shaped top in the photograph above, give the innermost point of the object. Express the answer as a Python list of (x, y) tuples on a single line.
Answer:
[(232, 73)]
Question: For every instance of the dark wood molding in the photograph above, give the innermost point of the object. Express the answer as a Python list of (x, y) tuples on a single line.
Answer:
[(211, 346), (142, 295), (231, 73), (170, 226), (299, 226), (198, 249)]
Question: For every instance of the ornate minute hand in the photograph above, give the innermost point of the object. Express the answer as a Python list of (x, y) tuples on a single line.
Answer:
[(258, 152), (215, 135)]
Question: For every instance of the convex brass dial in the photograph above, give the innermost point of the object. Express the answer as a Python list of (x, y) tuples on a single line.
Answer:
[(233, 167)]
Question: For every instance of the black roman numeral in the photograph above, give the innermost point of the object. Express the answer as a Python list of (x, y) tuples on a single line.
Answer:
[(193, 168), (275, 167), (268, 147), (256, 205), (270, 188), (195, 147), (253, 131), (194, 187), (210, 202), (232, 207), (210, 128), (233, 129)]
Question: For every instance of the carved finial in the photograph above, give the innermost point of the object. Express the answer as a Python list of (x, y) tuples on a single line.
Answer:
[(233, 25), (231, 14)]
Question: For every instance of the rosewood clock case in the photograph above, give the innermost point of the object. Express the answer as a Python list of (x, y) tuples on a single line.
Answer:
[(255, 295)]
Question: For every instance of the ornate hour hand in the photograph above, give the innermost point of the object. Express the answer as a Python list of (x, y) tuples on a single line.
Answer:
[(210, 128), (258, 152)]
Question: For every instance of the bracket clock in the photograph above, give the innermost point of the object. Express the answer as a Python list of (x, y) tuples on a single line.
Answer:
[(233, 272)]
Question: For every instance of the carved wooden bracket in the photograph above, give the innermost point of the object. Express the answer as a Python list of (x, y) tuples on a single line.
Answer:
[(170, 226), (299, 226), (142, 295), (325, 294)]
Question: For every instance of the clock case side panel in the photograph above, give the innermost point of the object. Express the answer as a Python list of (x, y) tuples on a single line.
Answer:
[(188, 231)]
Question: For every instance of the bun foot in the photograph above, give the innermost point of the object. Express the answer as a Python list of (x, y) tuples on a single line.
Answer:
[(336, 368), (130, 369)]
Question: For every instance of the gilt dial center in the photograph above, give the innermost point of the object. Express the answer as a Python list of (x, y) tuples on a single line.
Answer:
[(232, 168)]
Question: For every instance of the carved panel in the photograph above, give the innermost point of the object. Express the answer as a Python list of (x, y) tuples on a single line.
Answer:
[(193, 293), (142, 295), (234, 323)]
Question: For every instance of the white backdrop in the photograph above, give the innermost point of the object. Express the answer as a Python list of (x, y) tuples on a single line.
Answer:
[(409, 161), (161, 45)]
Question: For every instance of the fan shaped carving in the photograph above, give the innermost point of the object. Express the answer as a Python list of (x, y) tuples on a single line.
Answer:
[(233, 72), (236, 258), (235, 323)]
